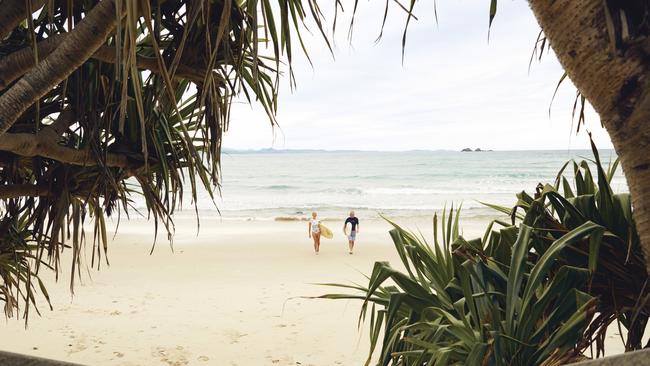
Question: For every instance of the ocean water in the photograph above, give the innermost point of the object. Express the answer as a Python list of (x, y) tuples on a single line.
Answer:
[(289, 185)]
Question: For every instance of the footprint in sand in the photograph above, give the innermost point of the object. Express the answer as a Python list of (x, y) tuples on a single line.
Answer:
[(234, 335), (285, 360), (78, 344), (83, 342), (172, 356), (203, 358)]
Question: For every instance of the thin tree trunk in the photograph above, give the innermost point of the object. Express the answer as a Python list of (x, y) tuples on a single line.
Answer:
[(9, 191), (42, 144), (12, 12), (45, 143), (17, 63), (616, 83), (80, 44), (20, 62)]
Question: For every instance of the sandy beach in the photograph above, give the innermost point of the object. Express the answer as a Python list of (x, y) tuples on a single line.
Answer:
[(229, 296)]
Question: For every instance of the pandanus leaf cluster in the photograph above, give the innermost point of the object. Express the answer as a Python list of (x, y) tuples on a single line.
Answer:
[(103, 103), (540, 288)]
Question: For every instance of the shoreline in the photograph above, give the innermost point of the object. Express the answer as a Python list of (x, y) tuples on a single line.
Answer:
[(187, 222), (289, 214)]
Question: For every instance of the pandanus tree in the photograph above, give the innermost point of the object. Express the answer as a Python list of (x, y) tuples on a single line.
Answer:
[(103, 100), (604, 47)]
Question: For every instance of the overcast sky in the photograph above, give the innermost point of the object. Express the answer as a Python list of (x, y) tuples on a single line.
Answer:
[(454, 89)]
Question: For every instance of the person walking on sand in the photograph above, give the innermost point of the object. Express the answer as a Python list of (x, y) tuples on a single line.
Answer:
[(354, 226), (314, 231)]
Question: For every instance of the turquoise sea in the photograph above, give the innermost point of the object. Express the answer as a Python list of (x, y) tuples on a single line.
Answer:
[(289, 185)]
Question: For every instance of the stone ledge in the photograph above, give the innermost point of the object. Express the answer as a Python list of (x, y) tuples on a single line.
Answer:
[(637, 358), (16, 359)]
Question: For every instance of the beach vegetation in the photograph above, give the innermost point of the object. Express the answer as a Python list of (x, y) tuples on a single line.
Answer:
[(541, 287)]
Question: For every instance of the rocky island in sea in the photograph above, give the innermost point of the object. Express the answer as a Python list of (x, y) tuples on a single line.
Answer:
[(478, 149)]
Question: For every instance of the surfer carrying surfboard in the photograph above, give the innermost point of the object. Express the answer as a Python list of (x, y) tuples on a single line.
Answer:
[(314, 231), (354, 224)]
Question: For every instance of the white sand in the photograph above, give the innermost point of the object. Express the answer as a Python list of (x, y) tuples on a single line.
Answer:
[(224, 297)]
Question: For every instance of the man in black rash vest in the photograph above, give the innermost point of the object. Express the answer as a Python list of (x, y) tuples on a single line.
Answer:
[(354, 223)]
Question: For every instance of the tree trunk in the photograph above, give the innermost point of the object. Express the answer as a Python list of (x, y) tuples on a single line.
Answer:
[(77, 47), (9, 191), (13, 12), (615, 81), (20, 62), (43, 144)]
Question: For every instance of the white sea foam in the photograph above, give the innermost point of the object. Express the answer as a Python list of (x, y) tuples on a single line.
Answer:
[(291, 185)]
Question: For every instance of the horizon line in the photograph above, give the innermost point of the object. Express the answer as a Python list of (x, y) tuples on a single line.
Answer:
[(292, 150)]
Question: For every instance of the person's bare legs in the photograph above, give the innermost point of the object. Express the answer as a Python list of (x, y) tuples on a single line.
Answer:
[(351, 245), (316, 237), (318, 240)]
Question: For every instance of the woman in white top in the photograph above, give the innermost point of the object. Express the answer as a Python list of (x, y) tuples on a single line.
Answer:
[(314, 231)]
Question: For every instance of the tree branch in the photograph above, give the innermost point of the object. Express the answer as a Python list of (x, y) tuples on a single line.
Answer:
[(19, 62), (62, 122), (54, 130), (80, 44), (9, 191), (42, 144), (13, 12), (107, 54)]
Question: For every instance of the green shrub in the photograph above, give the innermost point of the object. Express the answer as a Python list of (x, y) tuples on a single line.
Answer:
[(538, 290)]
